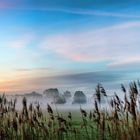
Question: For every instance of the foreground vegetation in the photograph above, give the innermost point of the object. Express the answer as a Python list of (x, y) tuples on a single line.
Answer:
[(121, 121)]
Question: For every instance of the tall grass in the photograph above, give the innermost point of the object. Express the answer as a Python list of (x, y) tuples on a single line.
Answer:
[(120, 122)]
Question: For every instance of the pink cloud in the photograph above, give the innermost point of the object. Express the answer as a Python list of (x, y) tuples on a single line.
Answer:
[(113, 43)]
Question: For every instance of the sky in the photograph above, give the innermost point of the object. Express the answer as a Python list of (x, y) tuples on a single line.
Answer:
[(65, 43)]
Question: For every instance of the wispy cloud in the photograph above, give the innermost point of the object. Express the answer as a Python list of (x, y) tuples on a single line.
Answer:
[(96, 13), (23, 69), (51, 6), (21, 41), (61, 81), (128, 63), (32, 69), (116, 43)]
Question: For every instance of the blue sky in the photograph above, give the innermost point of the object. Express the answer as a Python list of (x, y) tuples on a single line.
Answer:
[(59, 38)]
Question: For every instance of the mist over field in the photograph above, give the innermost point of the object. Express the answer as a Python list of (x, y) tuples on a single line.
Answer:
[(86, 82)]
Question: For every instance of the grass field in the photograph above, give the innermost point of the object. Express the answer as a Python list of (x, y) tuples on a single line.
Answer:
[(120, 122)]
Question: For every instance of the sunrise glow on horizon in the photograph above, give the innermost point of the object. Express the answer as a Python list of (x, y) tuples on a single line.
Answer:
[(46, 43)]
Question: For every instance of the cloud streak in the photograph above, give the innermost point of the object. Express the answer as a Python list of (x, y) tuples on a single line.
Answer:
[(95, 13), (54, 6), (21, 42), (32, 69), (72, 80), (115, 44), (129, 63)]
